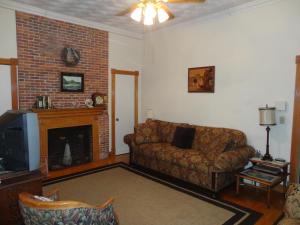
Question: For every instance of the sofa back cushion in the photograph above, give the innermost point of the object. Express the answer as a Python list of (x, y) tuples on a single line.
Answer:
[(147, 132), (217, 140), (166, 129)]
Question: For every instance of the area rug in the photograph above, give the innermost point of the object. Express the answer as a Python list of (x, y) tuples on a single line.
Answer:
[(144, 199)]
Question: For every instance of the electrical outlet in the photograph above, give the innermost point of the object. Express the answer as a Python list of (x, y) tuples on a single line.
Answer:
[(281, 119)]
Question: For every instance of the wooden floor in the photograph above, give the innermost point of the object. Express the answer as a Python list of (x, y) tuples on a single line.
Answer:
[(249, 197), (256, 199)]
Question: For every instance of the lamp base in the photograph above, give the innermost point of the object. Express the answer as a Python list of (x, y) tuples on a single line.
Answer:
[(267, 157)]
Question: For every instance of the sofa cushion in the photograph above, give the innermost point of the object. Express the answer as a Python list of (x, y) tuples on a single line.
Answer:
[(147, 133), (183, 137), (188, 158), (166, 130), (211, 139), (151, 150)]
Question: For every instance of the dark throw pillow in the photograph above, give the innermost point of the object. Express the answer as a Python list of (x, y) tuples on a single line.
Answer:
[(183, 137)]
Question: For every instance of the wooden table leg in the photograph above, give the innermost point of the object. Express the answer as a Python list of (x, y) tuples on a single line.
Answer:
[(269, 196), (285, 174), (237, 185)]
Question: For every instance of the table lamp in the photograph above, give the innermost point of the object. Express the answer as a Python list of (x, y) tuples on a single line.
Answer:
[(267, 118)]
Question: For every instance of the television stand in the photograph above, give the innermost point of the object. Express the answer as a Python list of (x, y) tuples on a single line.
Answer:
[(11, 185)]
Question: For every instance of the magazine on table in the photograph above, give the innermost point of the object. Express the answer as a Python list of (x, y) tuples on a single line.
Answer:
[(260, 175)]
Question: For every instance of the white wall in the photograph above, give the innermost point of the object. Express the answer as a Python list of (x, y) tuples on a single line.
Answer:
[(254, 53), (8, 37), (125, 53), (8, 49)]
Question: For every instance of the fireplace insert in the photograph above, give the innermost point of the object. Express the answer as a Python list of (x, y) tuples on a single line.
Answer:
[(69, 146)]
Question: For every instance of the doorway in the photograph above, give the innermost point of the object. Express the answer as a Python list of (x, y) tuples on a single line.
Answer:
[(8, 86), (124, 107)]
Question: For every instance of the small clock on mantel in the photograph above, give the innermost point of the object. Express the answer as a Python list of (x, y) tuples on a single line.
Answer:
[(99, 99)]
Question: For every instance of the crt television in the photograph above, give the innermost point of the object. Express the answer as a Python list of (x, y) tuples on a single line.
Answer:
[(19, 141)]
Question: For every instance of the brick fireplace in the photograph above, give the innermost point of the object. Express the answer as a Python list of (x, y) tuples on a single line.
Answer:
[(40, 41), (58, 120)]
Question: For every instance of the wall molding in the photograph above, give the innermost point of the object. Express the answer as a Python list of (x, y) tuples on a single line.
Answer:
[(70, 19)]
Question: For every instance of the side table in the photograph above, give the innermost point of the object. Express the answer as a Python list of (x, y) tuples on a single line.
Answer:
[(263, 179)]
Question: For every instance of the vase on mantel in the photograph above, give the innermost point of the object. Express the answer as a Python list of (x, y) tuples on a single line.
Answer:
[(67, 160)]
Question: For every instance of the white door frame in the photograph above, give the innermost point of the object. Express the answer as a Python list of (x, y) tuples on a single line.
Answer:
[(13, 63), (115, 72)]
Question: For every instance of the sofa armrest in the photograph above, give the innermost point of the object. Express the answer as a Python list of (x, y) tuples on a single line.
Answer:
[(128, 139), (233, 160)]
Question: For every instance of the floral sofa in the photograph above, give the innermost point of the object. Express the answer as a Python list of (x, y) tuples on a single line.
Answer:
[(216, 153)]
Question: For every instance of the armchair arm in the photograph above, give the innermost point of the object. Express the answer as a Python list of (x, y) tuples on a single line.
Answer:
[(105, 204), (232, 160), (53, 195), (291, 207)]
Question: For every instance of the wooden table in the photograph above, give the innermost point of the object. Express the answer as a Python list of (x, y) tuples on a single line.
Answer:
[(10, 188), (258, 179)]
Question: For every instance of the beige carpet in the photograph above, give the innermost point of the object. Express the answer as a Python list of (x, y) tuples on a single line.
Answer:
[(141, 201)]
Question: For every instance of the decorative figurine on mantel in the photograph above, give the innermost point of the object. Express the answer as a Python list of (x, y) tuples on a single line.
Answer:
[(43, 102), (89, 103), (267, 118), (99, 99)]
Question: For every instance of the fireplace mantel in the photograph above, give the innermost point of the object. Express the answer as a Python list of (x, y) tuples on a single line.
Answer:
[(50, 113), (61, 118)]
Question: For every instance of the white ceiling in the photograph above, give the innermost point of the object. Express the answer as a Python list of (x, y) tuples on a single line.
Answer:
[(104, 11)]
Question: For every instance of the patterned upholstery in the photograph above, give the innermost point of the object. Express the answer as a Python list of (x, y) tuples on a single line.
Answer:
[(147, 133), (211, 162), (166, 130), (292, 206), (37, 212)]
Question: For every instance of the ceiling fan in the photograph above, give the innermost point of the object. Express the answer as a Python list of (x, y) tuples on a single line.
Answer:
[(147, 10)]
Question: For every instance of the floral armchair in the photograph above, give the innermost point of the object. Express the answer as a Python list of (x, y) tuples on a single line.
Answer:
[(47, 211), (292, 206)]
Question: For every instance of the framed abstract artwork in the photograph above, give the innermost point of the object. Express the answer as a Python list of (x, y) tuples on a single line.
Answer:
[(201, 79)]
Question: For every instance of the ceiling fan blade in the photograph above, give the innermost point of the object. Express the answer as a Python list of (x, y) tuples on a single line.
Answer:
[(129, 10), (166, 8), (184, 1)]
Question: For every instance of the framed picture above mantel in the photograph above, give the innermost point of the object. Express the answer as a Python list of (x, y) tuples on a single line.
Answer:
[(201, 79), (72, 82)]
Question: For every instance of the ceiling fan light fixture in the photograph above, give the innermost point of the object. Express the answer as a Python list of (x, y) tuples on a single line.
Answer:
[(150, 10), (162, 15), (148, 20), (136, 15)]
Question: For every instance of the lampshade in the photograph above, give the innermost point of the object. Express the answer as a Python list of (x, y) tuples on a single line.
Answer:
[(150, 10), (137, 14), (267, 116), (148, 20), (162, 15)]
